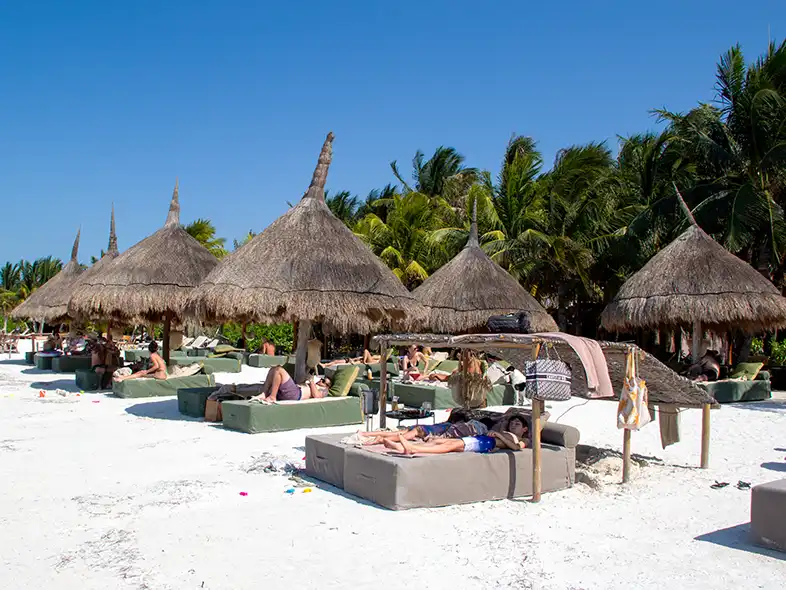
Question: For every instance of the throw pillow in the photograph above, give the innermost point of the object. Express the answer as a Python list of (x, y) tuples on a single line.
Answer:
[(746, 371), (343, 379)]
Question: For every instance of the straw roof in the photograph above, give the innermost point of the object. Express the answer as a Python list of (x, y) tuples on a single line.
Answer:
[(150, 279), (464, 293), (664, 385), (695, 278), (50, 301), (307, 265)]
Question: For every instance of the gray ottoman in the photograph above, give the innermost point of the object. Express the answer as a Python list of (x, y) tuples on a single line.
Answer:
[(768, 514)]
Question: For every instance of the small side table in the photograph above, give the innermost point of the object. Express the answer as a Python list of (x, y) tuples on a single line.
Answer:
[(416, 415)]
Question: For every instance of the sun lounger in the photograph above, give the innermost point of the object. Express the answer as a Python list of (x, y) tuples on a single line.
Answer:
[(69, 364), (156, 387), (255, 417), (400, 483), (217, 365)]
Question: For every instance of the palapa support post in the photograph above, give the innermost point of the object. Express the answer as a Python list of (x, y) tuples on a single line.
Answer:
[(705, 436), (696, 344), (536, 454), (303, 334), (625, 455), (366, 342), (383, 386), (167, 326)]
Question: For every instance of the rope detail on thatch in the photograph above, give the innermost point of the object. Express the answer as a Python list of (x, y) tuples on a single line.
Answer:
[(173, 217)]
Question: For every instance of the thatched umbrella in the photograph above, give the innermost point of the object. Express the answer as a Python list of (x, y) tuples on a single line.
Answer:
[(696, 281), (307, 266), (151, 280), (50, 301), (462, 295)]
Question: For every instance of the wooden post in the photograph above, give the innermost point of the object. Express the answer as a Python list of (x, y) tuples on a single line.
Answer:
[(696, 348), (167, 325), (536, 469), (626, 455), (303, 333), (705, 436), (383, 386), (366, 341), (537, 408)]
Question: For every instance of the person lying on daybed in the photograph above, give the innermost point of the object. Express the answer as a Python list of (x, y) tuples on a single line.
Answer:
[(708, 367), (513, 439), (366, 359), (279, 386), (453, 430), (157, 368)]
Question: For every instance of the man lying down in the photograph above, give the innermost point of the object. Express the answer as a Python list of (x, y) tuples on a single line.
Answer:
[(459, 437), (278, 386)]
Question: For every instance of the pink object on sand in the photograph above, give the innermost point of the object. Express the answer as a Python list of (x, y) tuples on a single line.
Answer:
[(244, 493), (96, 401)]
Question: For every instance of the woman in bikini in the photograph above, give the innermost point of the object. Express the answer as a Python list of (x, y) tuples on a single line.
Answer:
[(279, 386), (157, 368), (366, 359)]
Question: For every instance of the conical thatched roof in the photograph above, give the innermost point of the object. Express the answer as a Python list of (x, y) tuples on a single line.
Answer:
[(696, 279), (307, 265), (463, 294), (148, 280), (50, 301)]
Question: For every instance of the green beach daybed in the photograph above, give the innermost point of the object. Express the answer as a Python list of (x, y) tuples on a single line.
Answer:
[(158, 388), (216, 365), (86, 379), (441, 398), (69, 364), (266, 361), (191, 401), (134, 355), (747, 383), (255, 417), (43, 362)]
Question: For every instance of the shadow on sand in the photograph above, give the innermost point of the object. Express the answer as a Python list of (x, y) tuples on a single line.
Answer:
[(774, 466), (739, 537), (160, 410), (66, 384), (14, 362), (773, 405), (35, 371)]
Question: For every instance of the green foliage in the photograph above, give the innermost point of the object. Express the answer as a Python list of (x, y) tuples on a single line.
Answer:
[(204, 232), (248, 237), (279, 334)]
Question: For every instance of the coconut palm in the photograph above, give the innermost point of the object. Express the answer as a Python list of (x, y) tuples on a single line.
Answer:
[(344, 206), (443, 175), (204, 232), (248, 237)]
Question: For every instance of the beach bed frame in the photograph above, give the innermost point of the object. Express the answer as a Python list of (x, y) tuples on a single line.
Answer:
[(664, 385)]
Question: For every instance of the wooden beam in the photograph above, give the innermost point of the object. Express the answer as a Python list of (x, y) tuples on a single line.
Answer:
[(167, 326), (705, 436), (626, 455), (303, 334), (536, 450)]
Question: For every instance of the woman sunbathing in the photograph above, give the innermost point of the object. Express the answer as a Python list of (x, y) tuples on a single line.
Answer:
[(279, 386), (426, 432), (157, 368), (366, 359), (513, 439)]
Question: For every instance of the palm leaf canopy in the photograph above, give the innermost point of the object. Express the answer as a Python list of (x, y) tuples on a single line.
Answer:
[(464, 293), (696, 279), (149, 280), (50, 301), (307, 265)]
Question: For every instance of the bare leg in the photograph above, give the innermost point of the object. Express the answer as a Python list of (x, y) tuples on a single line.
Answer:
[(394, 446), (378, 437), (139, 375), (440, 447), (280, 377)]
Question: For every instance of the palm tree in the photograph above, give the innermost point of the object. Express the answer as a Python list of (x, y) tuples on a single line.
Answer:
[(443, 175), (8, 301), (204, 232), (248, 237), (10, 277), (344, 206)]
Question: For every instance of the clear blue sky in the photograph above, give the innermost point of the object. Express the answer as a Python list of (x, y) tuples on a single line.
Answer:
[(110, 101)]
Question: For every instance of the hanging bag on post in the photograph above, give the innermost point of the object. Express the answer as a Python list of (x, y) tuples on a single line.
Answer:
[(632, 410), (547, 379)]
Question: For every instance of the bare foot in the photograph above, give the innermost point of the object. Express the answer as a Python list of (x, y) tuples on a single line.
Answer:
[(393, 445), (408, 448)]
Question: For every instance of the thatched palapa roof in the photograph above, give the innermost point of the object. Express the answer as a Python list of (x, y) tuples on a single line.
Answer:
[(464, 293), (696, 279), (150, 279), (50, 301), (307, 265)]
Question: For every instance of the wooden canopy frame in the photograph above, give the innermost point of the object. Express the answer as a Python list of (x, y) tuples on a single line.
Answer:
[(683, 393)]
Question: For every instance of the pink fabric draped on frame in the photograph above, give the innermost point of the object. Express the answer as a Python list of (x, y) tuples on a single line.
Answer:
[(591, 356)]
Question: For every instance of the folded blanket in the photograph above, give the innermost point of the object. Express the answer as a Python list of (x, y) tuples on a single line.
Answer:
[(185, 370)]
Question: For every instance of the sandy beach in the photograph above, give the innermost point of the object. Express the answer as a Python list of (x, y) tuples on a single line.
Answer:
[(101, 492)]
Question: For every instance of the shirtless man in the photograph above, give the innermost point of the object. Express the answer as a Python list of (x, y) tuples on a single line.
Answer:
[(157, 368)]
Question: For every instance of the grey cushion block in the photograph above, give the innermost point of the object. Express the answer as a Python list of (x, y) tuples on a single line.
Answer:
[(69, 364), (44, 363), (266, 361), (30, 358), (86, 379), (191, 401), (768, 514)]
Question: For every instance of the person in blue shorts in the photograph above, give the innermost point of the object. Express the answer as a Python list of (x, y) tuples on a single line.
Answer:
[(514, 439)]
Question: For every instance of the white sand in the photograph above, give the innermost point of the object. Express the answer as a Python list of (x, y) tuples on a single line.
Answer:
[(101, 493)]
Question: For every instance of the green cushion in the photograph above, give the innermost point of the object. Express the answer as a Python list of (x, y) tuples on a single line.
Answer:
[(44, 363), (191, 401), (192, 352), (218, 365), (728, 391), (86, 379), (448, 366), (343, 379), (225, 348), (138, 354), (69, 364), (266, 360), (252, 417), (156, 387), (746, 371), (239, 355), (441, 398)]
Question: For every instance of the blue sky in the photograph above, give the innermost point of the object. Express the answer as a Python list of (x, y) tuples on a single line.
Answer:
[(110, 101)]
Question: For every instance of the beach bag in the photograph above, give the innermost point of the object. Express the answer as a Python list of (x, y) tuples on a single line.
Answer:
[(547, 379), (632, 411), (510, 323), (213, 411)]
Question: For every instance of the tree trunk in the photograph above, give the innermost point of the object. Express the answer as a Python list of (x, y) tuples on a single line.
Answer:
[(167, 323), (303, 333), (5, 324)]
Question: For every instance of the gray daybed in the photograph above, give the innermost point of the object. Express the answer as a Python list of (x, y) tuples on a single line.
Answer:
[(400, 483)]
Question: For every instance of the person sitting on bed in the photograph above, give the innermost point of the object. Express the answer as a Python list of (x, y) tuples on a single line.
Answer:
[(513, 439), (157, 368), (708, 367), (279, 386), (104, 360), (409, 362), (54, 342), (267, 347)]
